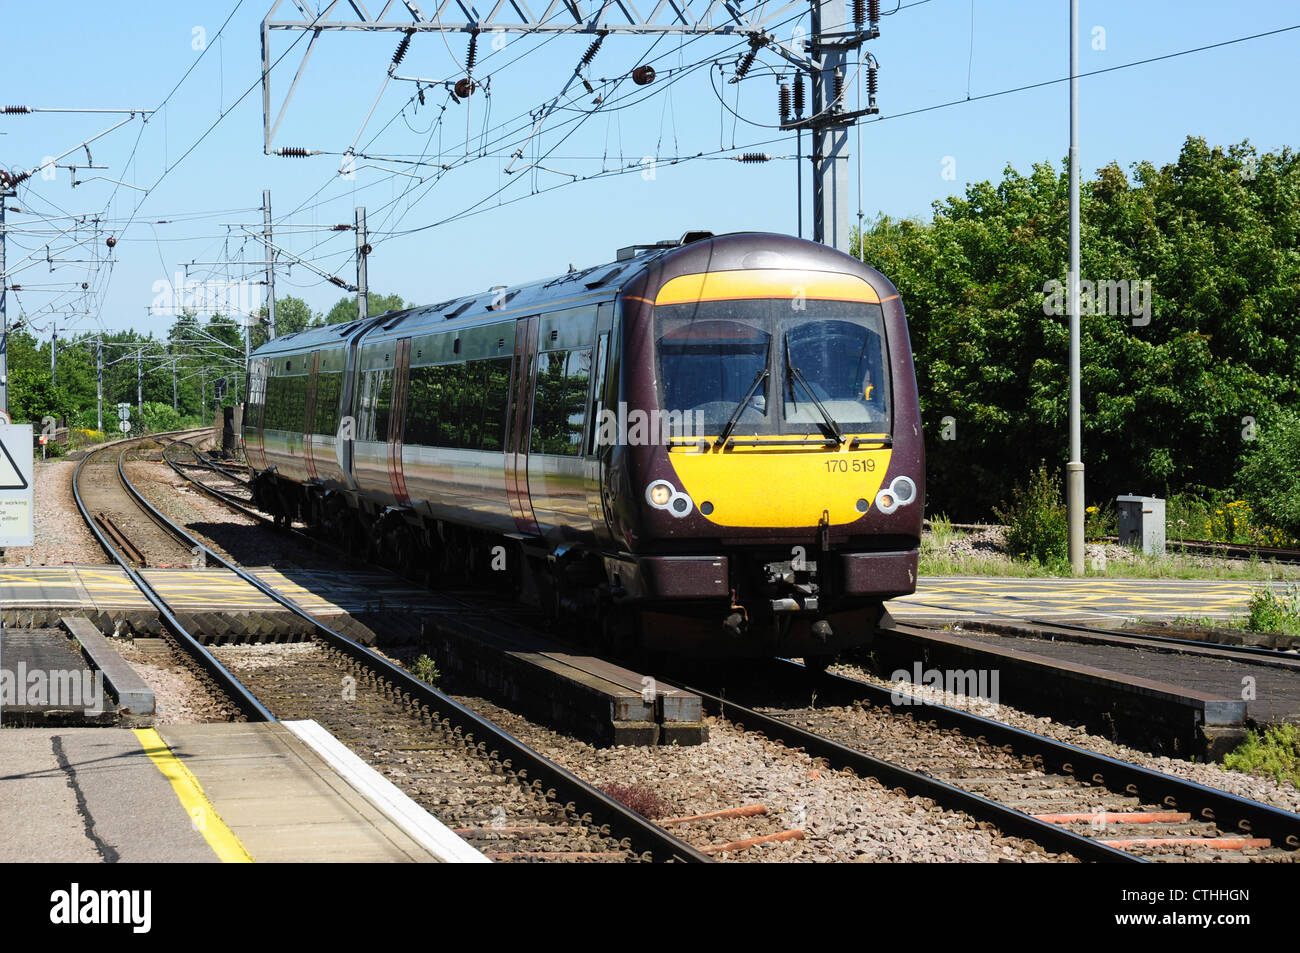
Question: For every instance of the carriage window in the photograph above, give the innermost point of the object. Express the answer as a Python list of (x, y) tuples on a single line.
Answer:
[(458, 405), (559, 401), (329, 388), (496, 395)]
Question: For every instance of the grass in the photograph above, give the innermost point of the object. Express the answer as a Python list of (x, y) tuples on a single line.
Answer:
[(1275, 751), (933, 562)]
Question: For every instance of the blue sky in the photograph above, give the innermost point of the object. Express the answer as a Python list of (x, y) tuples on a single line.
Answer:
[(96, 55)]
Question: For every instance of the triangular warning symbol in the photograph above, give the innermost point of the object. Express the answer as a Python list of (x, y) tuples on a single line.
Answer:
[(10, 477)]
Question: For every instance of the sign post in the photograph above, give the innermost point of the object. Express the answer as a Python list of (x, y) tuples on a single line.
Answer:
[(16, 526)]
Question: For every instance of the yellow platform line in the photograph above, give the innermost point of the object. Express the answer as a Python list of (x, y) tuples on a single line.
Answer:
[(189, 792)]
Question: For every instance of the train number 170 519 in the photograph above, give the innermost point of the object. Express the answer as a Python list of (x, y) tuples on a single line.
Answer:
[(850, 466)]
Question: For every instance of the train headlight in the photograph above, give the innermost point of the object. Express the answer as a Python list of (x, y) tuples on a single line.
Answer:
[(904, 489), (662, 495), (900, 492)]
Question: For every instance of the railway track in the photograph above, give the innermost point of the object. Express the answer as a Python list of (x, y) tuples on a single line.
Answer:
[(444, 755), (1064, 797)]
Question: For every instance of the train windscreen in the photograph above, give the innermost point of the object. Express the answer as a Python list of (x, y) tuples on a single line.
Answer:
[(824, 359)]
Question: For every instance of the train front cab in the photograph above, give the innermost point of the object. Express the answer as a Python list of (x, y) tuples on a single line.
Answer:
[(784, 504)]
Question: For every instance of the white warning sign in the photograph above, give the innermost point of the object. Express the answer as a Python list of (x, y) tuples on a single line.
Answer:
[(16, 485)]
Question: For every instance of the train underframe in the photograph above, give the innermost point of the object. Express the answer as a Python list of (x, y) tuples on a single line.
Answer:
[(755, 601)]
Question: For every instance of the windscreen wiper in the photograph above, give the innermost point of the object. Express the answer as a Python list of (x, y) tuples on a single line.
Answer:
[(740, 407), (821, 408)]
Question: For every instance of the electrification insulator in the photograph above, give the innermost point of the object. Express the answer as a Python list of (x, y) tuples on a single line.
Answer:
[(871, 85), (859, 12), (110, 241), (643, 75), (839, 85), (743, 66), (798, 94), (17, 110), (591, 51), (754, 157), (783, 96), (292, 152), (472, 54), (84, 285), (464, 87), (419, 92), (402, 47), (873, 12)]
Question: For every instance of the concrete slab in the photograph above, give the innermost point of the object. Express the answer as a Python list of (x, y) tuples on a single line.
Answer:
[(283, 800), (89, 795), (230, 791), (122, 681)]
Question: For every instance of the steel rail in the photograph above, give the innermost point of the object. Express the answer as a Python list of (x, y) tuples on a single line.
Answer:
[(233, 688), (1007, 819), (566, 785), (1228, 811)]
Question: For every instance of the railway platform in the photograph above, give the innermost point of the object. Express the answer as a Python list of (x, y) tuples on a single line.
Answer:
[(255, 792), (1088, 600), (938, 599)]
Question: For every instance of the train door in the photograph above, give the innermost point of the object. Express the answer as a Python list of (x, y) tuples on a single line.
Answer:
[(254, 450), (604, 396), (397, 419), (518, 432), (308, 430)]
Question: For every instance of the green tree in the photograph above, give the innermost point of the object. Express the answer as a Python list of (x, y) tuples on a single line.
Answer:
[(1164, 391), (1270, 475), (345, 309)]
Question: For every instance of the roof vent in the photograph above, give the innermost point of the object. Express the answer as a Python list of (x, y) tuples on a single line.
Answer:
[(631, 251), (696, 236)]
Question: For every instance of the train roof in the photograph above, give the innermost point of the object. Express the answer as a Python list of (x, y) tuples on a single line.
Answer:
[(576, 287), (594, 283)]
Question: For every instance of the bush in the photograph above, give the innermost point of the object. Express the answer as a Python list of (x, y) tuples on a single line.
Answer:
[(1275, 751), (159, 417), (425, 670), (1037, 526), (1270, 475), (1271, 611), (1187, 516), (1099, 521)]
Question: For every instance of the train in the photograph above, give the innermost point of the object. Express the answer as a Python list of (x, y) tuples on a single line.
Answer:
[(709, 447)]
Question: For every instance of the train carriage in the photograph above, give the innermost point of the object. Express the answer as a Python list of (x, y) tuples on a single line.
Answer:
[(711, 446)]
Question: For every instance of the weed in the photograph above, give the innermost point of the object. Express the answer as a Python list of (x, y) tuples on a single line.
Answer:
[(639, 798)]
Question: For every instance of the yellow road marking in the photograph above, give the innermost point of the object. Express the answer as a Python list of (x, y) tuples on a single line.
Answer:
[(189, 792)]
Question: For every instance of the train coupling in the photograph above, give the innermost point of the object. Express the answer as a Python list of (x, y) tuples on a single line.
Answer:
[(792, 585)]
